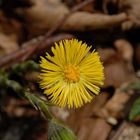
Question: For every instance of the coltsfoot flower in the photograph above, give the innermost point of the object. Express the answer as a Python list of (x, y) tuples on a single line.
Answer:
[(73, 75)]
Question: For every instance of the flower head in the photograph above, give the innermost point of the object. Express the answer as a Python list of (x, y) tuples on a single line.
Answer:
[(73, 75)]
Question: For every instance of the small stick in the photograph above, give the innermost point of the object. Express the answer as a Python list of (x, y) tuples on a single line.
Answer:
[(17, 56), (25, 53), (73, 10), (57, 26)]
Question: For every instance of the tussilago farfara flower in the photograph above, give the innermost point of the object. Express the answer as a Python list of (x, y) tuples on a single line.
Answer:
[(73, 75)]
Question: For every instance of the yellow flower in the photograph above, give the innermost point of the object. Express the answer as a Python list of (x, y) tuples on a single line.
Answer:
[(73, 75)]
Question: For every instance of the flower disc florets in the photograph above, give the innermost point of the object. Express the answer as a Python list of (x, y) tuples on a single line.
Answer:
[(73, 75)]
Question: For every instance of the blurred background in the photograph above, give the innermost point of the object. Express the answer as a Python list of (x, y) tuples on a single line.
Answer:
[(28, 28)]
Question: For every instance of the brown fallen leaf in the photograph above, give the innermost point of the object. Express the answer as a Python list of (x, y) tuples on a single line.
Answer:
[(91, 129), (116, 74), (11, 27), (108, 55), (45, 14), (115, 106), (88, 110), (118, 64), (131, 132), (132, 8), (87, 21), (125, 49), (8, 44)]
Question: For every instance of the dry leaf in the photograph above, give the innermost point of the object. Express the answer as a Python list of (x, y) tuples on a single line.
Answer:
[(8, 44), (131, 132), (88, 110), (132, 8), (91, 129), (45, 14), (10, 26), (115, 105), (118, 64), (125, 49)]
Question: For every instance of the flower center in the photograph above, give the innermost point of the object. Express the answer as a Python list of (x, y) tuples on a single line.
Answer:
[(72, 73)]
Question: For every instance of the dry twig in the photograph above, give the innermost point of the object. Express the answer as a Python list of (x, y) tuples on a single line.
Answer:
[(27, 52), (17, 56), (57, 26)]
